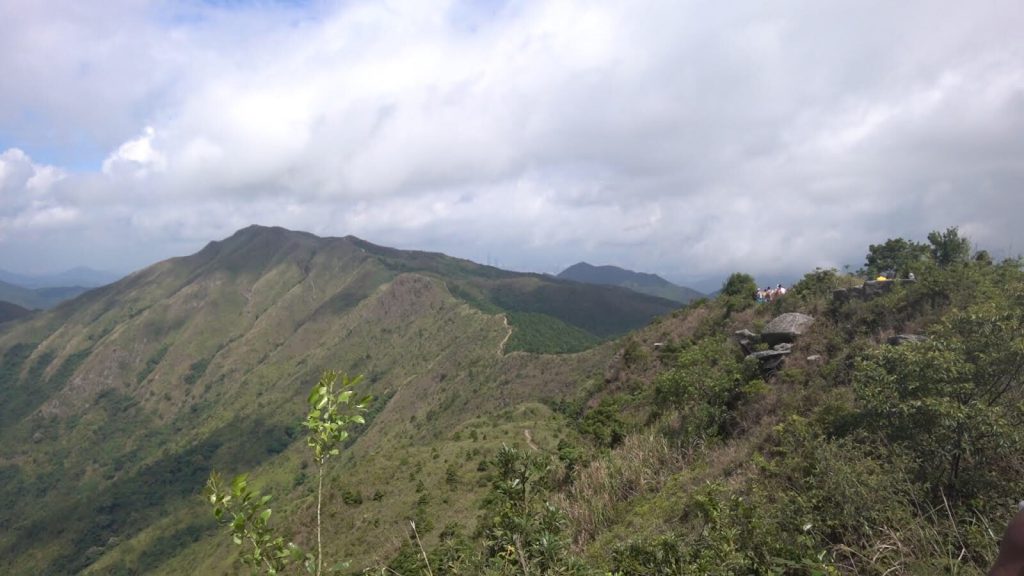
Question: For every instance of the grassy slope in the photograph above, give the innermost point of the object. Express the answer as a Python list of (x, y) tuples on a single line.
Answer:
[(796, 467), (37, 298), (126, 397)]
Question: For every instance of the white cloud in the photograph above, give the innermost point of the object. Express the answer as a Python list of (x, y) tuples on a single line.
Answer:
[(136, 158), (27, 199), (678, 137)]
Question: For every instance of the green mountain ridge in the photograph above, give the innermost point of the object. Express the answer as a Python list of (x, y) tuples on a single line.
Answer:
[(637, 281), (663, 452), (9, 311), (115, 405), (38, 298)]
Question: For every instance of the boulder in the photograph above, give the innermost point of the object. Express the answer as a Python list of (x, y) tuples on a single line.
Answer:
[(769, 361), (764, 354), (868, 290), (745, 334), (786, 328), (874, 288), (747, 340)]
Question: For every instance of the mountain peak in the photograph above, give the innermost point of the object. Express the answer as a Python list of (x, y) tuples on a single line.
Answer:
[(638, 281)]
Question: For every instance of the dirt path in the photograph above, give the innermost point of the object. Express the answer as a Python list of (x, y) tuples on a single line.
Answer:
[(529, 439), (501, 347)]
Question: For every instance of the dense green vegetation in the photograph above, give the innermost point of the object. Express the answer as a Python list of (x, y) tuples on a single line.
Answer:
[(640, 282), (663, 453), (542, 334), (869, 459)]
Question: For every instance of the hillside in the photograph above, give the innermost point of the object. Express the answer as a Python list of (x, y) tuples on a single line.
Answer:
[(886, 442), (10, 311), (115, 406), (640, 282), (37, 298)]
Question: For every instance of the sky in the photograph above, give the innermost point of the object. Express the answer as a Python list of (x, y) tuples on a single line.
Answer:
[(688, 138)]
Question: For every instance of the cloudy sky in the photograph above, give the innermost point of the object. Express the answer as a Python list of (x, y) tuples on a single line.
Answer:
[(687, 138)]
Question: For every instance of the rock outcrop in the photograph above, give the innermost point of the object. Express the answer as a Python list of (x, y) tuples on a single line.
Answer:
[(780, 334), (786, 328), (868, 290), (770, 360), (747, 340)]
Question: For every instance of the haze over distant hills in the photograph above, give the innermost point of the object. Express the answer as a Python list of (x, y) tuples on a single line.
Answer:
[(638, 281), (78, 276), (45, 291), (37, 298)]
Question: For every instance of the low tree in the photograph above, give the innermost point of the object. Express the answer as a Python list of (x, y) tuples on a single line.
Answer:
[(896, 255), (956, 401), (332, 410), (738, 291), (704, 386), (949, 247), (523, 532)]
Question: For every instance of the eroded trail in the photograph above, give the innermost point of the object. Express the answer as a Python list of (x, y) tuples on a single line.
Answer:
[(529, 439), (501, 347)]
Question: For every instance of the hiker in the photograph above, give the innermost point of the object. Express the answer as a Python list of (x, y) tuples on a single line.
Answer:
[(1010, 561)]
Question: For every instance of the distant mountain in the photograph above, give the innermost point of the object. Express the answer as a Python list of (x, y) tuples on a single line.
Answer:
[(38, 298), (9, 311), (80, 276), (638, 281), (115, 406)]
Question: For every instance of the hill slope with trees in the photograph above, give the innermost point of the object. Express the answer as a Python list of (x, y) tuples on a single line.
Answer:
[(114, 406), (638, 281), (667, 451)]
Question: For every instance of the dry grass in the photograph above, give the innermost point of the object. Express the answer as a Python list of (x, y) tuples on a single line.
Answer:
[(640, 465)]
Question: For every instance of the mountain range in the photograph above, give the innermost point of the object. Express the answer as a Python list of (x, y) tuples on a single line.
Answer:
[(37, 298), (518, 423), (638, 281), (10, 311), (114, 406), (78, 276)]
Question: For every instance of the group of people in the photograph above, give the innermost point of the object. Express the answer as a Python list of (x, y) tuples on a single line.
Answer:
[(770, 294)]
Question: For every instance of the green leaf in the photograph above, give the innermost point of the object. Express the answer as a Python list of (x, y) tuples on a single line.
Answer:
[(265, 515)]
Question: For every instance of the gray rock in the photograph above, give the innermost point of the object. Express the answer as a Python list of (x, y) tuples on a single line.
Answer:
[(874, 288), (768, 354), (784, 347), (869, 289), (769, 361), (900, 339), (746, 335), (747, 340), (786, 328), (814, 358)]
